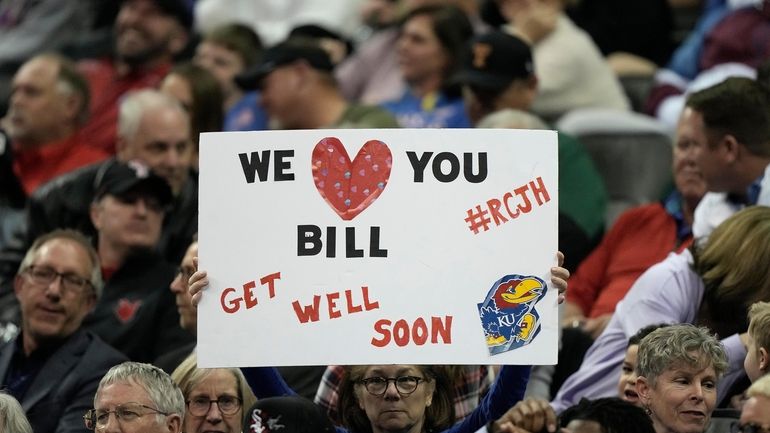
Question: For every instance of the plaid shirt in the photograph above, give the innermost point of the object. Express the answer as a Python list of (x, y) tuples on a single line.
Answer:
[(475, 382)]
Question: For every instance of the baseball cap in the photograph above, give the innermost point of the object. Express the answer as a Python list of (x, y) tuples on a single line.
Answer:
[(283, 54), (288, 414), (121, 178), (492, 60)]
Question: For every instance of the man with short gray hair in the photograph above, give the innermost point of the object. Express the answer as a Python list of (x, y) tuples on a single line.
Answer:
[(136, 397), (52, 366)]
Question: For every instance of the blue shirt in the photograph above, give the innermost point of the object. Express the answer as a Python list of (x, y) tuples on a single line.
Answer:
[(432, 111), (246, 114), (673, 206)]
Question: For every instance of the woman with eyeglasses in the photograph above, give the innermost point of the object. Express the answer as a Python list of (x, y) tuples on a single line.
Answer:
[(381, 398), (214, 397), (404, 398), (401, 398)]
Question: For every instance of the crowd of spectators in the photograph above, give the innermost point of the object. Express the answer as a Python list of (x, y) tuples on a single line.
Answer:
[(666, 323)]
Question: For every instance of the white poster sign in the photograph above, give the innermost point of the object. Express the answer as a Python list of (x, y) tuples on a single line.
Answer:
[(377, 247)]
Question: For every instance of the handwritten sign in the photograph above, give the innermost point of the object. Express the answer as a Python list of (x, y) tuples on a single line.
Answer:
[(378, 246)]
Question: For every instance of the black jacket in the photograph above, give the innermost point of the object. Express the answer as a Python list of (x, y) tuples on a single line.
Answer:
[(137, 312), (64, 388)]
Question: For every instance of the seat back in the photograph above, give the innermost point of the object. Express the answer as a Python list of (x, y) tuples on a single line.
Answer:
[(631, 151)]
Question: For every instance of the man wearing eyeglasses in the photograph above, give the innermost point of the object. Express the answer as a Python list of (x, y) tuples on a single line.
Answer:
[(136, 398), (137, 314), (755, 415), (53, 365)]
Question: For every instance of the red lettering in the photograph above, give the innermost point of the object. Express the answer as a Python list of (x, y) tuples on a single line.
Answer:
[(331, 298), (382, 327), (368, 305), (251, 300), (494, 209), (522, 192), (507, 197), (232, 305), (541, 194), (352, 308), (441, 328), (401, 333), (419, 332), (308, 312), (270, 281)]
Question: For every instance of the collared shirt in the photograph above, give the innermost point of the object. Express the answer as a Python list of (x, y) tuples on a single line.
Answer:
[(673, 206), (34, 167), (716, 207)]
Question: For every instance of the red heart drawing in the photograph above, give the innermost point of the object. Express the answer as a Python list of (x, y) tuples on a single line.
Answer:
[(350, 187), (126, 309)]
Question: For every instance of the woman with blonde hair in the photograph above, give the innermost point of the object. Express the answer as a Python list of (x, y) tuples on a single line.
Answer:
[(12, 417), (712, 284), (215, 398)]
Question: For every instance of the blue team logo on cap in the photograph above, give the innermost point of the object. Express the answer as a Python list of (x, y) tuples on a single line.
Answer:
[(508, 314)]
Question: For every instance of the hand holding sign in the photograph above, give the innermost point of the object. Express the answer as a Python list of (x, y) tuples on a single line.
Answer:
[(375, 246), (199, 281)]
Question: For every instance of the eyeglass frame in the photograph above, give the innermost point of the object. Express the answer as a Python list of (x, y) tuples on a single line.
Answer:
[(365, 382), (208, 408), (90, 415), (58, 275)]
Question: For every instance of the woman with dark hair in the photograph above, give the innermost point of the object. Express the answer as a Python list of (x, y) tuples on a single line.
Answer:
[(428, 48), (199, 93), (402, 398), (227, 51), (364, 390)]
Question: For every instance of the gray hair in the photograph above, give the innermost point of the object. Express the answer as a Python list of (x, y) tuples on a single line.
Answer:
[(681, 344), (73, 236), (164, 393), (511, 119), (135, 104), (12, 417)]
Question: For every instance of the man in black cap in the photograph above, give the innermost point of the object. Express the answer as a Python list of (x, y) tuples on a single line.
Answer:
[(498, 73), (299, 91), (148, 35), (136, 314)]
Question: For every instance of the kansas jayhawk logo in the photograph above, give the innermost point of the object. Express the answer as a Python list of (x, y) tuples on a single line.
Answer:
[(508, 313)]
